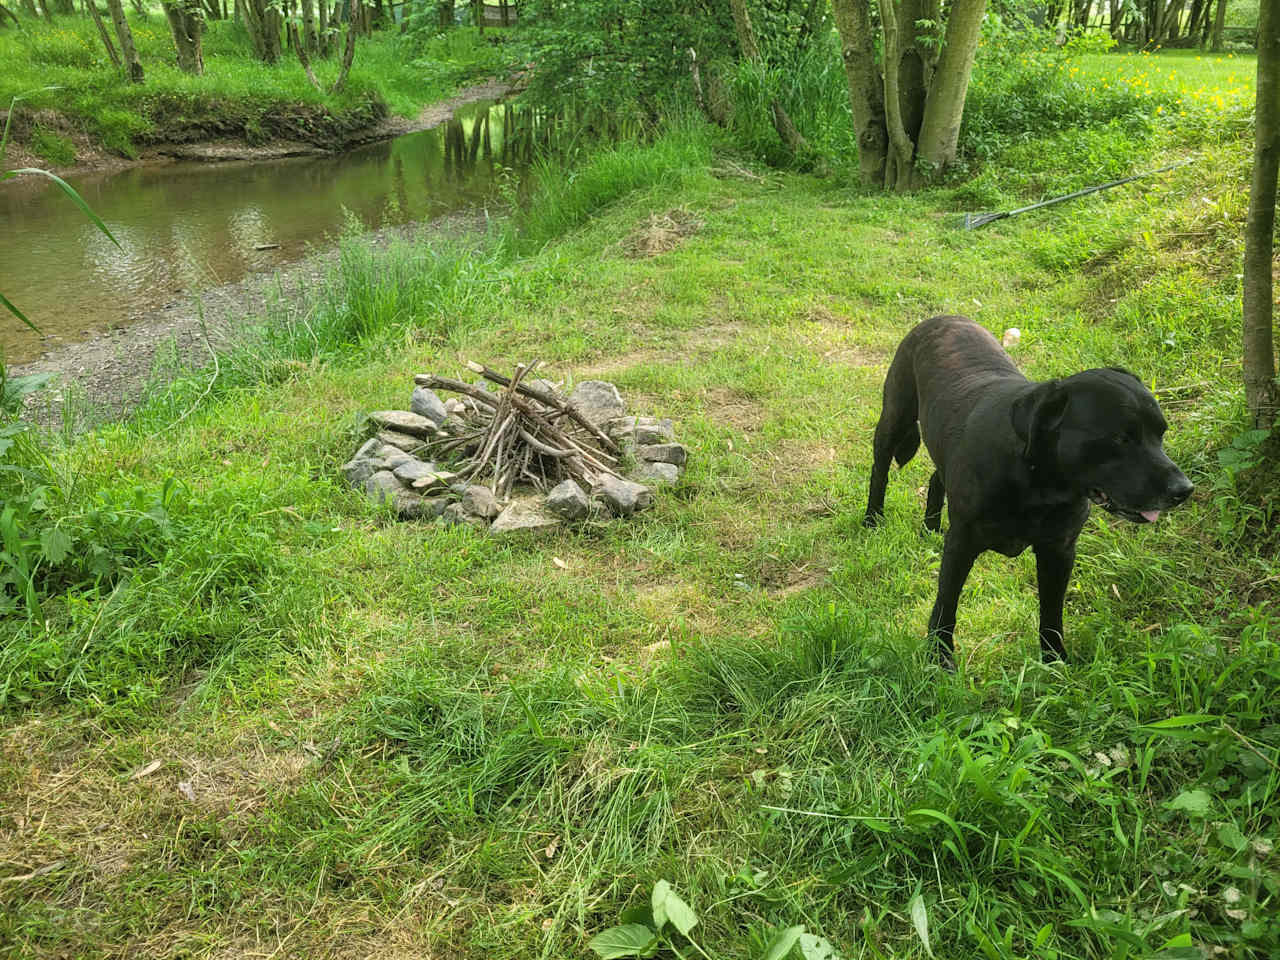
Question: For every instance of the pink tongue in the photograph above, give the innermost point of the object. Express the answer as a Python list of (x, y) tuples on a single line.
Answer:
[(1151, 516)]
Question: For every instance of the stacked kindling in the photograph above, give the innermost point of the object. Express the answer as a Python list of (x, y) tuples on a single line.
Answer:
[(515, 455)]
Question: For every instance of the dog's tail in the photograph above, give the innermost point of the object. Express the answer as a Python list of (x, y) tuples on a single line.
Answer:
[(908, 445)]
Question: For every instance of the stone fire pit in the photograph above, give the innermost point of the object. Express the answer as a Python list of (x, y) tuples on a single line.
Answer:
[(514, 453)]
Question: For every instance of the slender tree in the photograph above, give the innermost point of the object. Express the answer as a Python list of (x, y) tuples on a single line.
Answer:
[(125, 36), (349, 53), (92, 7), (907, 115), (6, 12), (1261, 392), (186, 23), (1220, 21)]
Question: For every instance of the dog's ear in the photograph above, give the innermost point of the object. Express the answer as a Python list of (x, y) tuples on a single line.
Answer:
[(1036, 414), (1128, 373)]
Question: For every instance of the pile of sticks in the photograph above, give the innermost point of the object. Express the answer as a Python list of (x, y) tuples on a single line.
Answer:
[(520, 434)]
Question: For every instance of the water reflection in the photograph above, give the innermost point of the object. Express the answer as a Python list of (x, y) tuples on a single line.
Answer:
[(183, 226)]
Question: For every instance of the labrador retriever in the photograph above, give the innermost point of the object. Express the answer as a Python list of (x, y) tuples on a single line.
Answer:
[(1018, 462)]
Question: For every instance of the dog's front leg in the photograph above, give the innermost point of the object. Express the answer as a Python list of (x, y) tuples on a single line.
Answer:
[(1053, 571), (958, 554)]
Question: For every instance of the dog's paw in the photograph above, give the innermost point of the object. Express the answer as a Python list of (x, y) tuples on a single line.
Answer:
[(872, 520)]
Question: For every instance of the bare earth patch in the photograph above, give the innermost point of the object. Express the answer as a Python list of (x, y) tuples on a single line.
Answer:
[(661, 232)]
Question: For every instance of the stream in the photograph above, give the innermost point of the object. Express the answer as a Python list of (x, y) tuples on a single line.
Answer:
[(185, 226)]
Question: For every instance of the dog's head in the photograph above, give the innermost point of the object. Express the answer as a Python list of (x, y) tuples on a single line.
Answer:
[(1099, 434)]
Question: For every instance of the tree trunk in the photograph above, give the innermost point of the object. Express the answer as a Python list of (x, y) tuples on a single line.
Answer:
[(300, 47), (866, 87), (1221, 21), (1260, 389), (944, 107), (322, 35), (30, 7), (349, 54), (444, 14), (262, 19), (186, 23), (92, 7), (46, 11), (125, 36), (6, 12), (902, 147), (309, 25)]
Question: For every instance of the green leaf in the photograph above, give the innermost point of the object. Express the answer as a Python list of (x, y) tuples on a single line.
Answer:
[(54, 544), (920, 920), (813, 947), (1196, 803), (8, 305), (70, 192), (661, 890), (1229, 835), (782, 943), (628, 940), (667, 906), (1181, 720)]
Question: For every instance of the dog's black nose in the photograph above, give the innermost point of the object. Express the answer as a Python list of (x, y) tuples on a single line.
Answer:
[(1179, 489)]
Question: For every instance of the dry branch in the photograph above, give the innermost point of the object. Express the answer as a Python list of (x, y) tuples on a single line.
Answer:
[(521, 434)]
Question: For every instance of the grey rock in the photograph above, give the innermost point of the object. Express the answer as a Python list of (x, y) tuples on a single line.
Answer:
[(619, 427), (392, 457), (480, 502), (401, 441), (651, 430), (653, 471), (621, 497), (453, 516), (640, 429), (434, 506), (440, 479), (368, 450), (359, 470), (383, 488), (412, 470), (568, 500), (425, 403), (524, 515), (663, 453), (403, 421), (598, 401)]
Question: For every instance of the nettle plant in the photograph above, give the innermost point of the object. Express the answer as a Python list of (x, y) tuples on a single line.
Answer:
[(668, 922)]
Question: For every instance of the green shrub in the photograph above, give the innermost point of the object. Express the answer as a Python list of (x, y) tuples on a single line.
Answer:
[(51, 147)]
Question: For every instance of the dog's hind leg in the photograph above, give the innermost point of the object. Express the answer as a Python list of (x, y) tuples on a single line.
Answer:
[(957, 560), (933, 506), (1053, 572), (897, 438)]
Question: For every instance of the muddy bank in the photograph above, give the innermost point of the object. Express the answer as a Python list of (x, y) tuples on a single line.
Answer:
[(103, 378), (194, 142)]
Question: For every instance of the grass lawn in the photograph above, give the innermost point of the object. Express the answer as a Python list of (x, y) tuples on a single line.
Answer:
[(297, 728)]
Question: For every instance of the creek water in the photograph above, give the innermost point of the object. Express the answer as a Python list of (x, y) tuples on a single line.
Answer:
[(186, 226)]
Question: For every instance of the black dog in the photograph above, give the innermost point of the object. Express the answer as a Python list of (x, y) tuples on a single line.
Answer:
[(1018, 461)]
